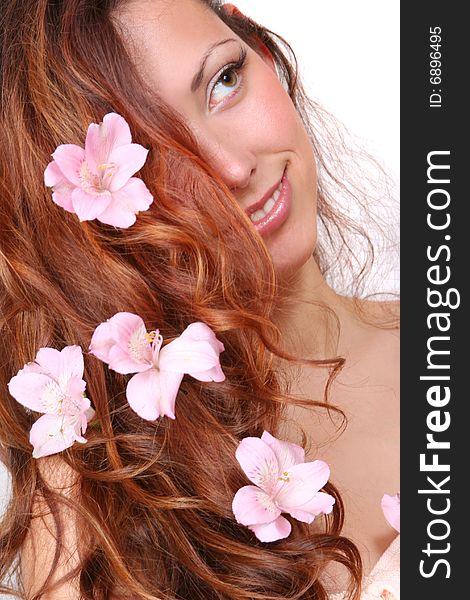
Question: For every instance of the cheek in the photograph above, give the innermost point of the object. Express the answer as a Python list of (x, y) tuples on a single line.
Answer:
[(266, 113)]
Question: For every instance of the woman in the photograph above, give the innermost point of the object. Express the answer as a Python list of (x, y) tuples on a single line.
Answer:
[(145, 507)]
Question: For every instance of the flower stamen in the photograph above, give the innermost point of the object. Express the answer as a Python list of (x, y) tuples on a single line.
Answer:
[(150, 335), (285, 477)]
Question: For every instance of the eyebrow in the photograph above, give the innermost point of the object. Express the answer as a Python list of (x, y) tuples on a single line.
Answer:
[(197, 79)]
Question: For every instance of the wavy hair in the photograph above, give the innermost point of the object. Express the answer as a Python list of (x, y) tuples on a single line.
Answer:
[(152, 500)]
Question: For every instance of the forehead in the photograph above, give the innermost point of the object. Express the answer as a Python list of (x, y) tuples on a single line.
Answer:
[(168, 38)]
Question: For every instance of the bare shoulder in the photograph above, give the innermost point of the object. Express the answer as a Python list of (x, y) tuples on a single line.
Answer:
[(42, 541)]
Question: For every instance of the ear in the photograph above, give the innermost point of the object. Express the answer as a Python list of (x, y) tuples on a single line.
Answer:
[(261, 48)]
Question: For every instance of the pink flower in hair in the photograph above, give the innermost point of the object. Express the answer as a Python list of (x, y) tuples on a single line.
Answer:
[(96, 182), (284, 483), (53, 385), (124, 344), (391, 510)]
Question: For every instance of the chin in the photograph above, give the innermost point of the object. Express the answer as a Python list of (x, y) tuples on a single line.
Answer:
[(288, 259), (294, 244)]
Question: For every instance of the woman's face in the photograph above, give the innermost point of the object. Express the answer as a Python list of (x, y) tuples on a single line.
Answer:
[(244, 121)]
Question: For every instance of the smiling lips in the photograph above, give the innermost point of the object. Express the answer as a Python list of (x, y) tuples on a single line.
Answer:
[(273, 209), (259, 209)]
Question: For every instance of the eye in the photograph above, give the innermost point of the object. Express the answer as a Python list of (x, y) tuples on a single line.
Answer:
[(228, 82)]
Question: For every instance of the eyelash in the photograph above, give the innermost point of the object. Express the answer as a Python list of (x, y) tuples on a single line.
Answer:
[(234, 66)]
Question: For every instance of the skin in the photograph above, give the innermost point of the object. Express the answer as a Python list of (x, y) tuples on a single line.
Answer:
[(168, 40)]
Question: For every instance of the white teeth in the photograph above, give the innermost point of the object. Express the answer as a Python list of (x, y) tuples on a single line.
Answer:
[(258, 215), (268, 206), (270, 203)]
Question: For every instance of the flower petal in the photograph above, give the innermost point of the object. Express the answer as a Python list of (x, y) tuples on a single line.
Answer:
[(61, 365), (169, 386), (62, 188), (251, 506), (102, 138), (128, 159), (304, 481), (259, 463), (53, 175), (132, 351), (63, 198), (123, 362), (148, 395), (391, 510), (287, 454), (74, 401), (88, 206), (271, 532), (201, 332), (33, 367), (51, 434), (69, 159), (48, 360), (126, 203), (26, 388), (102, 341), (320, 503), (191, 356), (214, 374)]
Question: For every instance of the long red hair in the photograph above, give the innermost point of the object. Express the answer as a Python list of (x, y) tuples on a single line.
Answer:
[(154, 497)]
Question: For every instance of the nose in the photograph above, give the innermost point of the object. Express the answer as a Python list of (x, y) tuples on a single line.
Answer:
[(234, 163)]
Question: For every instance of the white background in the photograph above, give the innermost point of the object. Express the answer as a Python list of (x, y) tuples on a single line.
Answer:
[(348, 54)]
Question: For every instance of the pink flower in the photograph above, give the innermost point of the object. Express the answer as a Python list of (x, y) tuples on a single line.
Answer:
[(96, 182), (125, 345), (391, 510), (283, 483), (53, 385)]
